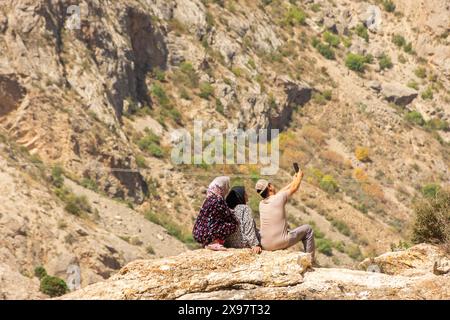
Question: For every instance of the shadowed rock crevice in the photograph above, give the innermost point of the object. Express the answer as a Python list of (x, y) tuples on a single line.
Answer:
[(149, 49), (11, 93)]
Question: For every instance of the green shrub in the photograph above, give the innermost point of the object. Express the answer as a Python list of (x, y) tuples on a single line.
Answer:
[(53, 286), (430, 190), (140, 161), (326, 51), (149, 249), (173, 114), (90, 184), (219, 107), (342, 227), (57, 176), (295, 16), (355, 62), (413, 84), (328, 184), (315, 7), (172, 228), (354, 252), (319, 98), (187, 75), (362, 32), (77, 204), (150, 143), (408, 47), (327, 94), (385, 62), (158, 74), (160, 94), (315, 42), (324, 246), (398, 40), (388, 5), (437, 124), (74, 204), (427, 94), (206, 90), (368, 58), (432, 218), (40, 272), (415, 117), (347, 42), (331, 39), (420, 72)]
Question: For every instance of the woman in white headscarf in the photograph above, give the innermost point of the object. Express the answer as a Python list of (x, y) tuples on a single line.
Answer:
[(215, 221)]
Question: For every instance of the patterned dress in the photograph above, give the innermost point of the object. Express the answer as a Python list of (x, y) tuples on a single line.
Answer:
[(247, 235), (215, 221)]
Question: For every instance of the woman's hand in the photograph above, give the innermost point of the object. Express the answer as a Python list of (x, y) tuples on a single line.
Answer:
[(256, 249)]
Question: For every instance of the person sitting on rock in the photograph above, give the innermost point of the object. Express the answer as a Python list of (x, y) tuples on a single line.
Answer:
[(247, 235), (274, 227), (215, 221)]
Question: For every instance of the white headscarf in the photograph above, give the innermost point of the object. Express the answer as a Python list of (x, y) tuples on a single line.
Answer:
[(219, 186)]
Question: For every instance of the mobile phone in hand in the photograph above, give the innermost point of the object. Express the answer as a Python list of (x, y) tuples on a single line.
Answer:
[(296, 167)]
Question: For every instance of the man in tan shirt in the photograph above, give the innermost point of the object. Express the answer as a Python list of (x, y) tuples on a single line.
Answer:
[(275, 234)]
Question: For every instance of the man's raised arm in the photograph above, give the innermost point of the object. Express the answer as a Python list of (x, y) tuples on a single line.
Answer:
[(295, 184)]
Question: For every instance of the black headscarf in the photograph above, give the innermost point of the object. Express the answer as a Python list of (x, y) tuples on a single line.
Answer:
[(235, 197)]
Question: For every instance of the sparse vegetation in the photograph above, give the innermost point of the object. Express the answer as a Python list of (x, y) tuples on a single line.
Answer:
[(51, 286), (355, 62), (421, 72), (341, 227), (427, 94), (332, 39), (141, 162), (388, 5), (295, 16), (324, 246), (432, 218), (172, 228), (430, 190), (329, 184), (415, 117), (90, 184), (385, 62), (362, 32), (398, 40), (362, 154), (413, 84), (206, 90), (150, 143), (326, 51)]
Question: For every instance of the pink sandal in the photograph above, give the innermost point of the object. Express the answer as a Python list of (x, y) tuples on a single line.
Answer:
[(215, 247)]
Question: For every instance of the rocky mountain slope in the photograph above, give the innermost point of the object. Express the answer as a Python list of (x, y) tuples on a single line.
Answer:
[(360, 90), (238, 274)]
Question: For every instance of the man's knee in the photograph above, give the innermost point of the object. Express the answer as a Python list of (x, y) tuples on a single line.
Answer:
[(309, 230)]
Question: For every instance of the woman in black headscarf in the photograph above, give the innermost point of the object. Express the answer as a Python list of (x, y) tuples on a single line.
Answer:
[(247, 235)]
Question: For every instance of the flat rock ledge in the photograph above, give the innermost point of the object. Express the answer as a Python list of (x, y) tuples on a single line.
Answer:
[(239, 274)]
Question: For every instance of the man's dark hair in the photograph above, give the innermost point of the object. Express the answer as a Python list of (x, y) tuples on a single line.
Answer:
[(265, 193)]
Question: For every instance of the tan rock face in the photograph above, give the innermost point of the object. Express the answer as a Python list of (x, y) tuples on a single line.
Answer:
[(238, 274)]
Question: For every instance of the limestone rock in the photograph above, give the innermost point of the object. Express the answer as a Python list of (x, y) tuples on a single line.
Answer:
[(418, 260), (372, 18), (191, 13), (398, 94), (239, 274)]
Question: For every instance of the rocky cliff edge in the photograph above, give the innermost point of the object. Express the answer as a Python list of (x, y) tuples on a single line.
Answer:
[(421, 272)]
